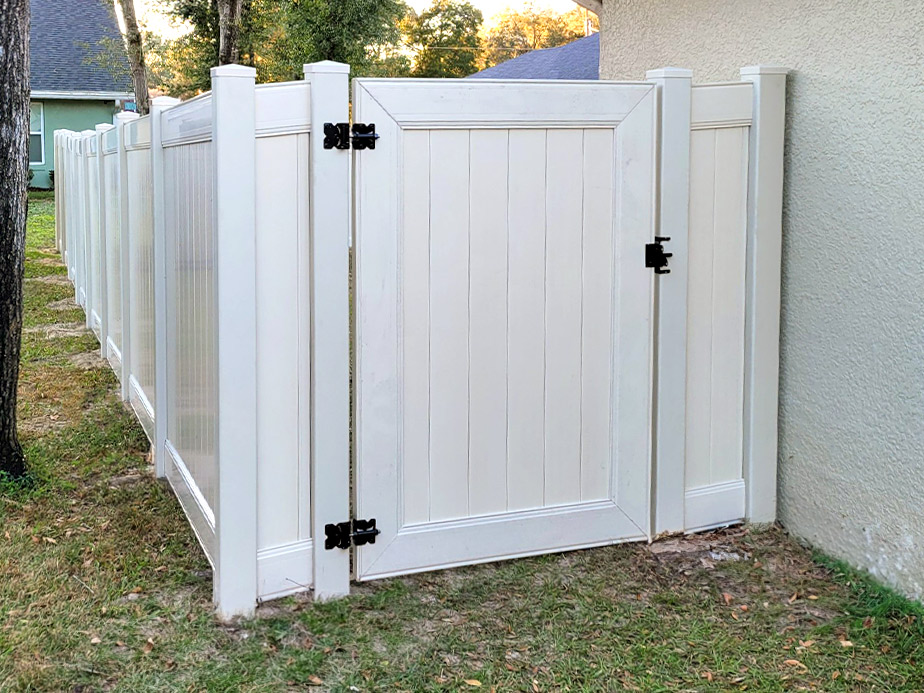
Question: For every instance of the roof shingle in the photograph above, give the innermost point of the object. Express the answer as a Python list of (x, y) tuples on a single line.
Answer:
[(66, 35), (579, 59)]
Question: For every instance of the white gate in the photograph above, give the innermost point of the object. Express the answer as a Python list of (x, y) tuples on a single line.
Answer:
[(503, 319)]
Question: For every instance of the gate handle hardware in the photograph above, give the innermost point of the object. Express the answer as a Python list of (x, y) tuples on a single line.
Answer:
[(655, 257), (345, 136), (344, 534)]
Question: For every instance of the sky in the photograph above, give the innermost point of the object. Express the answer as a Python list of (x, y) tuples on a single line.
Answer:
[(489, 8)]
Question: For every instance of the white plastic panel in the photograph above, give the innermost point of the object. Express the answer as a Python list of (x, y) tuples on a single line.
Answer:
[(716, 300), (191, 313)]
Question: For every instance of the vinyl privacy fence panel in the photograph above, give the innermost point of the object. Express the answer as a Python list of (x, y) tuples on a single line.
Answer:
[(524, 382)]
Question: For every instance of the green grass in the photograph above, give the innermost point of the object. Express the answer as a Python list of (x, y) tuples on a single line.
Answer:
[(103, 587)]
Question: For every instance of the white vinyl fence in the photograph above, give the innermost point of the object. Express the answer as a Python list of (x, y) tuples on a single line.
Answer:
[(524, 383)]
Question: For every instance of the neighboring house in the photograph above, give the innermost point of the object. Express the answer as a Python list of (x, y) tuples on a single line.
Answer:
[(71, 88), (851, 444), (579, 59)]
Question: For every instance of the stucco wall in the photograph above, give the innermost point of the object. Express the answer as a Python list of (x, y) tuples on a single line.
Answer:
[(852, 381), (69, 114)]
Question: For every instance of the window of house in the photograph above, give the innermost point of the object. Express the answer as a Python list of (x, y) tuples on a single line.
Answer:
[(36, 133)]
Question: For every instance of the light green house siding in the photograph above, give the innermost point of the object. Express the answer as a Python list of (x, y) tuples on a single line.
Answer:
[(60, 114)]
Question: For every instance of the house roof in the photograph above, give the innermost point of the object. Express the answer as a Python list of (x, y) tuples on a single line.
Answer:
[(65, 38), (576, 60)]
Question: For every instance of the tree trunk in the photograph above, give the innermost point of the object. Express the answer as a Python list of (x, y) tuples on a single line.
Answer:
[(135, 49), (229, 31), (14, 180)]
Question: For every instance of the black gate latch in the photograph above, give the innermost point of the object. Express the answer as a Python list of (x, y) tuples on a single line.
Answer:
[(655, 256), (344, 534), (344, 136)]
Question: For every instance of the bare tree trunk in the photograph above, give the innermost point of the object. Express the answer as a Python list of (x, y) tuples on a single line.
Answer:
[(136, 57), (229, 31), (14, 180)]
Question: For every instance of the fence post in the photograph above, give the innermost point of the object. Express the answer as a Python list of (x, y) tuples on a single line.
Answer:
[(330, 185), (85, 201), (675, 90), (234, 160), (762, 321), (122, 119), (100, 174), (56, 167), (158, 106)]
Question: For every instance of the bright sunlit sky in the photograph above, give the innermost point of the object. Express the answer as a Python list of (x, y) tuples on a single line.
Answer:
[(491, 7), (488, 7)]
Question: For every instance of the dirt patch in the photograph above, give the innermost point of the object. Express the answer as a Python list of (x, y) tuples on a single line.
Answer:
[(48, 262), (700, 550), (40, 425), (59, 330), (87, 361), (53, 279), (64, 304)]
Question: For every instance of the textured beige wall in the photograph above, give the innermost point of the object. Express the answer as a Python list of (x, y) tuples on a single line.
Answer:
[(852, 381)]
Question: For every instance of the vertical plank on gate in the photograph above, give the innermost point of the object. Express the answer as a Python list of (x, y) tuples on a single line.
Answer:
[(158, 196), (487, 436), (675, 91), (415, 307), (329, 214), (103, 264), (234, 205), (122, 119), (449, 255), (762, 322), (526, 319), (597, 314), (563, 259)]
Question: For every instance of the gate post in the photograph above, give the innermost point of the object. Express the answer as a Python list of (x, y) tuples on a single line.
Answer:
[(158, 106), (675, 87), (234, 205), (123, 119), (762, 316), (329, 215)]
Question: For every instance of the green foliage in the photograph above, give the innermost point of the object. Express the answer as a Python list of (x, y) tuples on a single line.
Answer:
[(279, 37), (445, 36), (362, 33), (186, 61), (516, 32)]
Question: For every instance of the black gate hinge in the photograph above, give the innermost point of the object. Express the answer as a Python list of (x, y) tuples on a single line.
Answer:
[(344, 136), (655, 256), (344, 534)]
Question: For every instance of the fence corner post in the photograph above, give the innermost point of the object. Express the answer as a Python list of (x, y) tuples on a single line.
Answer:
[(330, 186), (158, 106), (675, 88), (122, 119), (764, 258), (234, 205)]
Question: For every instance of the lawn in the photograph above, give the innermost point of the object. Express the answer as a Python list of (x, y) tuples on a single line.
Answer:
[(103, 587)]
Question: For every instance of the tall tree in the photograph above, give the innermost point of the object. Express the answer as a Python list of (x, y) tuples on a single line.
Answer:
[(14, 181), (516, 32), (135, 47), (365, 34), (229, 31), (446, 38)]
